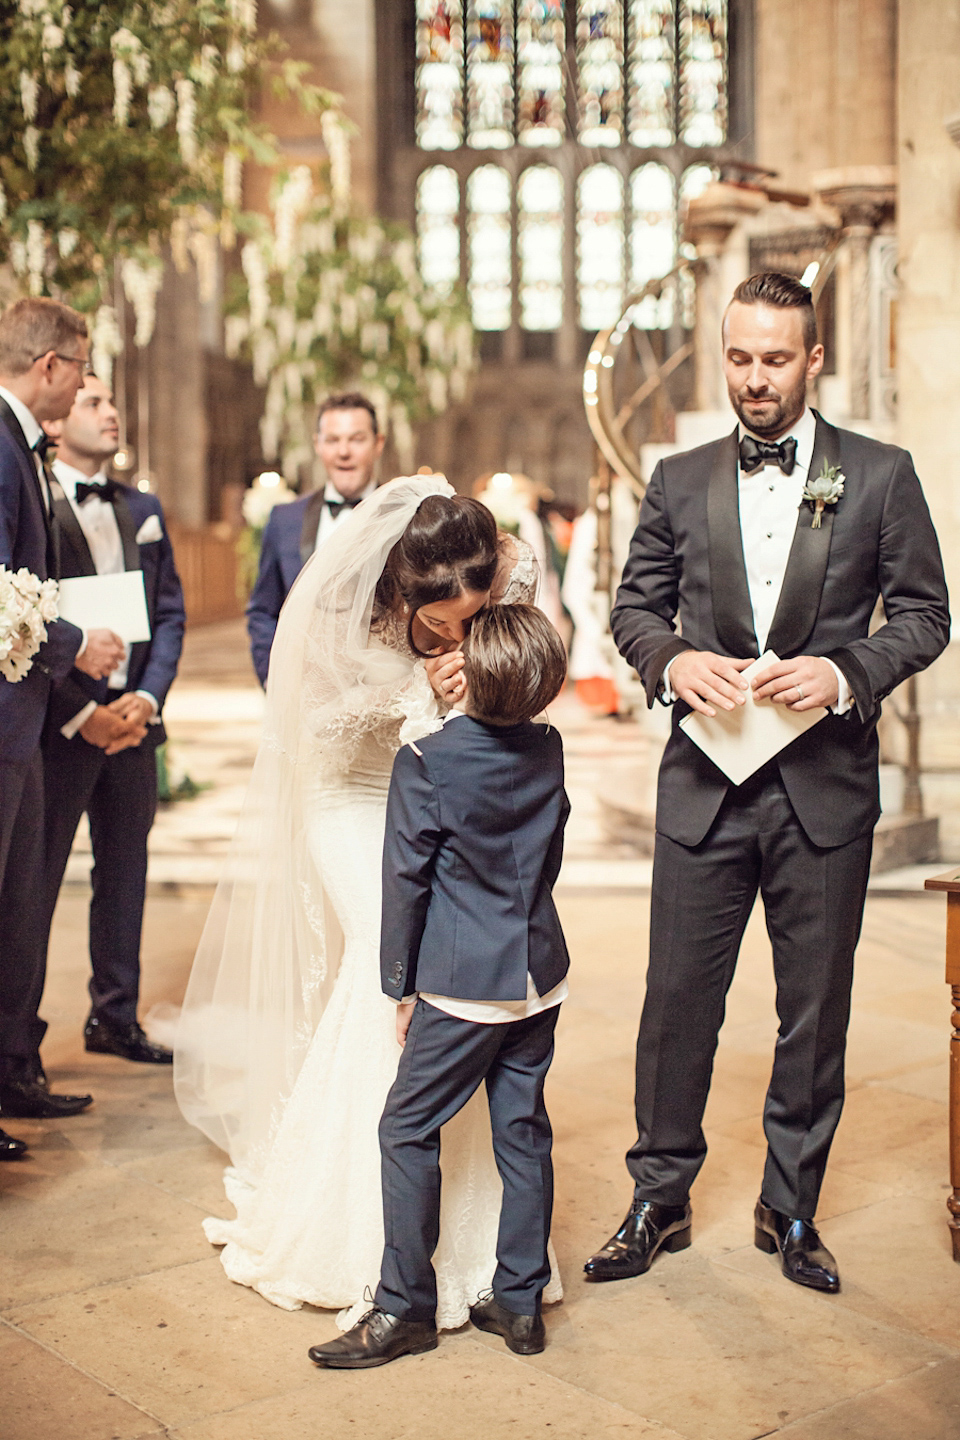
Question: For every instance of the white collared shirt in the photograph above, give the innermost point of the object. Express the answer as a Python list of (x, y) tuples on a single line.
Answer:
[(328, 523), (494, 1012), (769, 504), (98, 522), (32, 430)]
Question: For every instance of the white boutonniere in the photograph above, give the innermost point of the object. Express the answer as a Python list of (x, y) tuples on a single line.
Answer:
[(826, 489)]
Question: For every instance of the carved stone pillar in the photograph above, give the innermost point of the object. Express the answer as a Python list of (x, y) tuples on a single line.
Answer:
[(708, 223), (865, 196)]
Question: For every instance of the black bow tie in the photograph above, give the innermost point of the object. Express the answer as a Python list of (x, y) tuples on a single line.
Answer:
[(106, 490), (43, 444), (754, 453), (335, 506)]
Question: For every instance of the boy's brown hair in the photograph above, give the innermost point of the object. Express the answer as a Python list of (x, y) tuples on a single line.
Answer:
[(514, 664)]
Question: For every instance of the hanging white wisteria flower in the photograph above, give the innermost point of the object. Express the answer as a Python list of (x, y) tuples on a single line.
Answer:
[(338, 149), (71, 79), (106, 343), (36, 256), (160, 105), (31, 145), (142, 280), (187, 121), (29, 94), (122, 90)]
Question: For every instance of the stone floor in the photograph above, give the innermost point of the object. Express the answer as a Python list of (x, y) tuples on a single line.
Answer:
[(116, 1320)]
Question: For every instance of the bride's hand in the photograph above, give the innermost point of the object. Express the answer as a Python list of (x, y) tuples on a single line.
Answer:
[(446, 678)]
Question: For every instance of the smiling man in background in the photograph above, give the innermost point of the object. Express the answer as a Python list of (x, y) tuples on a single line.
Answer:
[(349, 444)]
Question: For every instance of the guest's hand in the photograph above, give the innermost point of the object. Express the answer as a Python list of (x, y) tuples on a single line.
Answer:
[(704, 680), (108, 732), (444, 672), (102, 654), (801, 684), (404, 1016), (132, 707)]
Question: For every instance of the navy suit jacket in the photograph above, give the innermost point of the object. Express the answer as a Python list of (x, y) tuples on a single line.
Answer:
[(686, 562), (474, 840), (28, 539), (289, 539), (153, 663)]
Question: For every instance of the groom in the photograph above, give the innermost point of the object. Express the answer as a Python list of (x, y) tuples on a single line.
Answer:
[(728, 545)]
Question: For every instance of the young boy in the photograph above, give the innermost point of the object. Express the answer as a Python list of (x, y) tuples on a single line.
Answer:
[(473, 845)]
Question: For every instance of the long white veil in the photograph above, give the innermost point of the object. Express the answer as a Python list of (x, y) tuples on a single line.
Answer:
[(270, 950)]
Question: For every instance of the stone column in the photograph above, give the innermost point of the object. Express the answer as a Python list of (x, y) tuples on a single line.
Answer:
[(865, 195), (708, 223)]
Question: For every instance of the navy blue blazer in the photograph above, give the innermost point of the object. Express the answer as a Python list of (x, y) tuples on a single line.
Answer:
[(153, 663), (28, 539), (474, 840), (289, 539)]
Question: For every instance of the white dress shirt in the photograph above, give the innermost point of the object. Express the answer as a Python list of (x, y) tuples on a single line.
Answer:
[(328, 522), (98, 522), (494, 1012), (769, 505)]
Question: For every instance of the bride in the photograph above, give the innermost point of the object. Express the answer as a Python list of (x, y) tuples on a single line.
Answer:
[(286, 1046)]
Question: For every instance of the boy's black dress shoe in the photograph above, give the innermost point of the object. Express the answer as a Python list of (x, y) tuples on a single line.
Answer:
[(11, 1148), (376, 1339), (127, 1041), (648, 1228), (804, 1259), (524, 1334), (28, 1098)]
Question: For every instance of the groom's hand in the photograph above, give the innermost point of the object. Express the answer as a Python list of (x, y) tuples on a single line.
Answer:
[(801, 684), (404, 1016), (705, 680)]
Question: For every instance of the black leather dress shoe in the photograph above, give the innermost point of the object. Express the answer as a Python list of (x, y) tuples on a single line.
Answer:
[(524, 1334), (127, 1041), (648, 1228), (10, 1148), (804, 1258), (29, 1099), (376, 1339)]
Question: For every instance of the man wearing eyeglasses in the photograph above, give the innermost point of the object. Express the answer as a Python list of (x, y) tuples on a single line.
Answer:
[(43, 358)]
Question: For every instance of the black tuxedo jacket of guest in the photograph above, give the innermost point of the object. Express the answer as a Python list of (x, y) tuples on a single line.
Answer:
[(152, 663), (474, 840), (686, 563), (289, 539), (28, 540)]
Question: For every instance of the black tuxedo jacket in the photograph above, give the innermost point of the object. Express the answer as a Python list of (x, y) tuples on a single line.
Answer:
[(28, 538), (474, 840), (153, 663), (686, 563)]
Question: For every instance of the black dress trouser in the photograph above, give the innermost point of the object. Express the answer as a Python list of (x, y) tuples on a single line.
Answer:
[(701, 900)]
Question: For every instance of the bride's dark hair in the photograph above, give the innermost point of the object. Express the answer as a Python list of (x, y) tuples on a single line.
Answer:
[(448, 547)]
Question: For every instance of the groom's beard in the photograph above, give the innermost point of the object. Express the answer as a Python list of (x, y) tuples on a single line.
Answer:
[(778, 412)]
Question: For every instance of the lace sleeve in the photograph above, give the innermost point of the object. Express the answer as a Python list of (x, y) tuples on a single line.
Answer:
[(519, 572)]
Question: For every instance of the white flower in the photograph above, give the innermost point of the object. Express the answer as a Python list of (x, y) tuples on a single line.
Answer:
[(29, 94), (36, 255), (232, 180), (160, 105), (236, 57), (141, 284), (31, 145), (27, 606), (105, 343), (186, 121), (236, 328), (51, 39), (255, 269), (71, 79), (338, 149), (122, 90), (18, 256), (67, 240), (292, 202), (266, 491), (204, 67)]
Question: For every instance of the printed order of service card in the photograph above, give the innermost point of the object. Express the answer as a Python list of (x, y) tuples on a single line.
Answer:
[(107, 602)]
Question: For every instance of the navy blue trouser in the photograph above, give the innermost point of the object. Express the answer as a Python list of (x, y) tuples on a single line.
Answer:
[(444, 1061)]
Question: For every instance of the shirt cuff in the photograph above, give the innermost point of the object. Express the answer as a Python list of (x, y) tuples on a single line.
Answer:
[(145, 695), (844, 700), (409, 999), (82, 716), (669, 694)]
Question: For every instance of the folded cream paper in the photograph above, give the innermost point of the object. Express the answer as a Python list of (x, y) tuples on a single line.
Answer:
[(107, 602), (740, 741)]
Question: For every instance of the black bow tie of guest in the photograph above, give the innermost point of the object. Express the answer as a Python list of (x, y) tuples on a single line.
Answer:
[(106, 490), (42, 444), (754, 453), (335, 506)]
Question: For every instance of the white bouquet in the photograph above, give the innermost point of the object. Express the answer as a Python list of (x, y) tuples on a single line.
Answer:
[(266, 491), (27, 606)]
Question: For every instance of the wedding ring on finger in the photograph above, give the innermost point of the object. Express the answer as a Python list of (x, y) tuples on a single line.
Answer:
[(799, 692)]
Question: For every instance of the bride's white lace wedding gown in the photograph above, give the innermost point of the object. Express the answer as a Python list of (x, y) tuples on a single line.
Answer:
[(308, 1226)]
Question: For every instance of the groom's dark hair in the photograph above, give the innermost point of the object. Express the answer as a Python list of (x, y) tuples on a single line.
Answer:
[(784, 292), (514, 664)]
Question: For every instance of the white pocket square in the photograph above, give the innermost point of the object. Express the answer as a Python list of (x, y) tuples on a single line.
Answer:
[(150, 531)]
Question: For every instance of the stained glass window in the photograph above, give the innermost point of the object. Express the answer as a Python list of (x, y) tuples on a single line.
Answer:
[(438, 229), (600, 246), (540, 47), (703, 90), (651, 88), (653, 240), (600, 71), (439, 74), (540, 245), (488, 203), (490, 74)]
